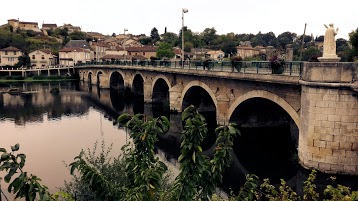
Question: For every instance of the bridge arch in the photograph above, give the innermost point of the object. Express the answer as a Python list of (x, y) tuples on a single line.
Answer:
[(269, 96), (138, 84), (161, 77), (98, 75), (198, 84), (137, 74), (160, 89), (89, 76), (116, 78)]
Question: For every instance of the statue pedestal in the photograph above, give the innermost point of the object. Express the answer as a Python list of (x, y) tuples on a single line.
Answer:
[(329, 59)]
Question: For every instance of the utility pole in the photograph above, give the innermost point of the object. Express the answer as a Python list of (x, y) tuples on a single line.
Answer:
[(303, 41)]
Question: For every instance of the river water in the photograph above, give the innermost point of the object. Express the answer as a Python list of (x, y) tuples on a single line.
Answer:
[(53, 128)]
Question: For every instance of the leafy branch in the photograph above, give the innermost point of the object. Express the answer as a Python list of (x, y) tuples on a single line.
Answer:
[(23, 186)]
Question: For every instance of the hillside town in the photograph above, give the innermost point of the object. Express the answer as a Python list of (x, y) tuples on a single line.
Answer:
[(108, 48)]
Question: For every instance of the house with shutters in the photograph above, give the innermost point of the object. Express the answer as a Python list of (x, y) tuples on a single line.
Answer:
[(9, 56), (42, 58)]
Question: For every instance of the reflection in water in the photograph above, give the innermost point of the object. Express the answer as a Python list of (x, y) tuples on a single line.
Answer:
[(54, 128)]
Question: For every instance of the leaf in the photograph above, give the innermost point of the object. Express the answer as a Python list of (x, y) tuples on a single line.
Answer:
[(193, 156), (143, 136), (200, 149), (15, 147), (180, 157), (5, 156), (2, 150), (151, 186)]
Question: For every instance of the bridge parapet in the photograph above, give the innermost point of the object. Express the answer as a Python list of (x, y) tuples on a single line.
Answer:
[(329, 117)]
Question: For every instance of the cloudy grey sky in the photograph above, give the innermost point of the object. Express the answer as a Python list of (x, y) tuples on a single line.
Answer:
[(238, 16)]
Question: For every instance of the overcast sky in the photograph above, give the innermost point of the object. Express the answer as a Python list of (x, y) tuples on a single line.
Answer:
[(238, 16)]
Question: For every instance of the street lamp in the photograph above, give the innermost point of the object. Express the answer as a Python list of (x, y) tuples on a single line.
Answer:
[(184, 10)]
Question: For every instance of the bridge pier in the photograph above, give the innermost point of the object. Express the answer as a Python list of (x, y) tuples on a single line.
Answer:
[(328, 139), (147, 91), (103, 81), (175, 97), (222, 109)]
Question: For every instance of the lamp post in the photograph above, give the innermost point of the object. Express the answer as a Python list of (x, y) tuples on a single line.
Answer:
[(184, 10), (124, 47)]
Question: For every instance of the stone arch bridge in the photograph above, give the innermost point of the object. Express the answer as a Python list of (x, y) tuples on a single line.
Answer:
[(321, 101)]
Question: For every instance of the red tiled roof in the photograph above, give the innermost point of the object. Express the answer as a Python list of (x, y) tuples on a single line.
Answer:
[(49, 25), (28, 23), (10, 49), (47, 51), (119, 57)]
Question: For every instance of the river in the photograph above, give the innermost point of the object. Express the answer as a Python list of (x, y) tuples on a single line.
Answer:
[(53, 128)]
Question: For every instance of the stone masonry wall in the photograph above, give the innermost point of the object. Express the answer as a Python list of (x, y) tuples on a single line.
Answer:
[(329, 128)]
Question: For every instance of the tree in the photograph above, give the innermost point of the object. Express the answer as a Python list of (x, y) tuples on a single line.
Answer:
[(229, 48), (286, 38), (165, 50), (270, 39), (319, 38), (78, 35), (209, 35), (154, 35), (171, 38), (353, 39), (312, 52), (146, 41), (24, 60)]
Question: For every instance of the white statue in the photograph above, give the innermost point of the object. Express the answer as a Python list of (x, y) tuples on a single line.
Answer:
[(329, 45)]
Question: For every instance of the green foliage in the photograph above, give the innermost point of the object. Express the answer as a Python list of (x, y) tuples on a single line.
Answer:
[(286, 38), (78, 35), (101, 166), (154, 35), (165, 50), (309, 189), (229, 48), (249, 191), (310, 53), (23, 186), (284, 192), (24, 61), (171, 38), (144, 170), (353, 39), (198, 175), (340, 193), (146, 41)]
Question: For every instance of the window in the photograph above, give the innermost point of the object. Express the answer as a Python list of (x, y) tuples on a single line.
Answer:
[(5, 52), (14, 52), (10, 59), (33, 56), (143, 53), (42, 57)]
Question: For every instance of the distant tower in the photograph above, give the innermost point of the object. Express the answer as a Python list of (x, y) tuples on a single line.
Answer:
[(165, 30)]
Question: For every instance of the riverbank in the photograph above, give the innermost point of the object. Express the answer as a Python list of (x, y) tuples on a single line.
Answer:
[(52, 78)]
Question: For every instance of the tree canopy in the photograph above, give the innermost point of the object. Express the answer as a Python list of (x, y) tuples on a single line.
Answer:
[(165, 50)]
